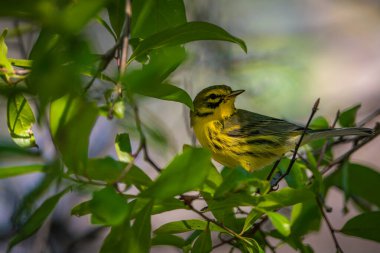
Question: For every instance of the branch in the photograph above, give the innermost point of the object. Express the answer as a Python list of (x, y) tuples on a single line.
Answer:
[(314, 110), (369, 117), (346, 155), (123, 42), (332, 230)]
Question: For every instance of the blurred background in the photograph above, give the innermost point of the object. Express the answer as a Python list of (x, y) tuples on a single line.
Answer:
[(298, 51)]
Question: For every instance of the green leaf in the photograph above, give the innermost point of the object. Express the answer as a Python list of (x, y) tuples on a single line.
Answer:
[(36, 220), (366, 225), (182, 34), (24, 63), (280, 222), (150, 80), (168, 92), (153, 16), (203, 244), (252, 216), (186, 172), (297, 177), (108, 207), (182, 226), (118, 239), (116, 14), (250, 245), (240, 180), (108, 28), (359, 181), (109, 170), (123, 147), (81, 209), (142, 228), (319, 123), (4, 62), (32, 198), (285, 197), (14, 171), (305, 217), (168, 239), (71, 122), (348, 117), (212, 182), (77, 14), (234, 200), (58, 64), (20, 121)]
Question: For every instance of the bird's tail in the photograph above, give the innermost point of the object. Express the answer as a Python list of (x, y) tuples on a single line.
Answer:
[(326, 133)]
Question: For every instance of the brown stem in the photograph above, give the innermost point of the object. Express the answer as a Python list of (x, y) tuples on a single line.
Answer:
[(346, 155), (292, 161), (329, 225)]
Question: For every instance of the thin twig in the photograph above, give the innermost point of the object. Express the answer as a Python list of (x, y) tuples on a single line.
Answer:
[(275, 165), (292, 161), (329, 225), (125, 46), (142, 147), (346, 155), (369, 117)]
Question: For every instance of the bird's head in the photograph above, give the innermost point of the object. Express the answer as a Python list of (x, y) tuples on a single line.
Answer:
[(214, 103)]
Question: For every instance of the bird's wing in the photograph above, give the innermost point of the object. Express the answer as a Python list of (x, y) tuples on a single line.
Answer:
[(244, 123)]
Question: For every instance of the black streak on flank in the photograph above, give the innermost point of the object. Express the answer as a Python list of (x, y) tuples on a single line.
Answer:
[(263, 142)]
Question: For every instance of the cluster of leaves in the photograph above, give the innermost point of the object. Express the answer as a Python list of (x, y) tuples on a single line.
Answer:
[(58, 73)]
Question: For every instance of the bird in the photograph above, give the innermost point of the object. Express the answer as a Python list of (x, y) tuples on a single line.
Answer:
[(243, 138)]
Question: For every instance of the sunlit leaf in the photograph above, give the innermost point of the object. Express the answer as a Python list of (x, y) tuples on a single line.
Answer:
[(71, 122), (280, 222), (20, 121), (285, 197), (14, 171), (366, 225), (123, 147), (4, 62), (36, 220)]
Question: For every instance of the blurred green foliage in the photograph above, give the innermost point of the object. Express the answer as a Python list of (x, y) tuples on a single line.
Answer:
[(57, 78)]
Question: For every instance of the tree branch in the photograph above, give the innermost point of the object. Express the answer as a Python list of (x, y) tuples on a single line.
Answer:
[(292, 161), (332, 230)]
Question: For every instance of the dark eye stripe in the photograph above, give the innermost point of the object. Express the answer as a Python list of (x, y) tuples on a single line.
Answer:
[(213, 105), (213, 96)]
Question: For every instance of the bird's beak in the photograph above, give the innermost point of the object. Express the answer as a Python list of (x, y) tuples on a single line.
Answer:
[(235, 93)]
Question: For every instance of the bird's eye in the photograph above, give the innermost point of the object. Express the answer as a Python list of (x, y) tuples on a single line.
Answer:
[(213, 96)]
